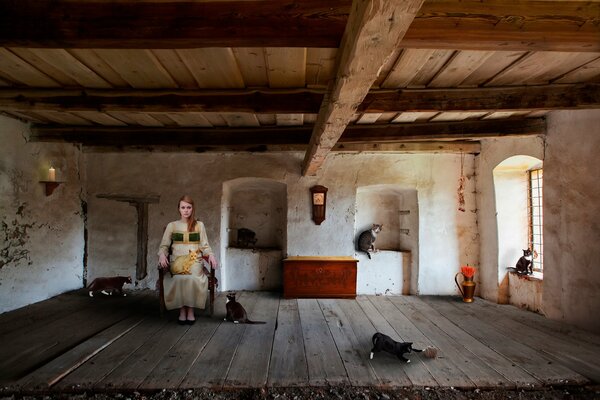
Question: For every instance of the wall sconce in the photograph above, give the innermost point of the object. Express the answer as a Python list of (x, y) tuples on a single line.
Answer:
[(319, 203), (51, 183)]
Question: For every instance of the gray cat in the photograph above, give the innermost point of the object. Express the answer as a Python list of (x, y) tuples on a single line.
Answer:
[(366, 240)]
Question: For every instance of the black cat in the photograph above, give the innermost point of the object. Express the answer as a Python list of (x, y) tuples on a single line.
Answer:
[(525, 264), (387, 344), (236, 312)]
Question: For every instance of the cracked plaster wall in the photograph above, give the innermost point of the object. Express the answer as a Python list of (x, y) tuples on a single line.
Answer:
[(41, 238)]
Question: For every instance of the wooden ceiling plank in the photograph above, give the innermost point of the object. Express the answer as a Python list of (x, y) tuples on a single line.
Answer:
[(99, 118), (134, 118), (434, 64), (176, 68), (101, 67), (406, 117), (407, 66), (215, 118), (462, 65), (495, 64), (286, 67), (267, 119), (289, 119), (369, 118), (240, 120), (213, 68), (253, 66), (505, 114), (21, 71), (320, 67), (373, 32), (139, 68), (63, 118), (540, 67), (589, 72), (190, 119), (457, 116), (64, 61), (31, 56)]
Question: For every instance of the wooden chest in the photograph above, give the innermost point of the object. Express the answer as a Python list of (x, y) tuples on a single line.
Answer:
[(314, 277)]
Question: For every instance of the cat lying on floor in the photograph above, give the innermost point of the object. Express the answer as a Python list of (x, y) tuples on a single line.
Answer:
[(387, 344)]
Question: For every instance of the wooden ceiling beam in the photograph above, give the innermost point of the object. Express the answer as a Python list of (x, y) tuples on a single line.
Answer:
[(355, 138), (373, 32), (519, 25), (514, 98)]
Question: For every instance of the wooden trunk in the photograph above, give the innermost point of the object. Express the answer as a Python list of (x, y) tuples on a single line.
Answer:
[(319, 277)]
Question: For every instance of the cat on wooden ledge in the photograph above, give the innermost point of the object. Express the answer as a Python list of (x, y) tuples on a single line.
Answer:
[(108, 285)]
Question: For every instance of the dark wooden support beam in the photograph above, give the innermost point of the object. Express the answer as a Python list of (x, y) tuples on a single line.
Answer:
[(463, 130), (521, 25), (372, 35), (141, 205), (354, 138), (515, 98)]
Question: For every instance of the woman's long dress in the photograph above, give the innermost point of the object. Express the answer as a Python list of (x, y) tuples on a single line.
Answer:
[(185, 290)]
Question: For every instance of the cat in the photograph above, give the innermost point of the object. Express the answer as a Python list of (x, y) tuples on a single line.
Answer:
[(525, 263), (108, 285), (182, 265), (246, 238), (386, 343), (366, 240), (236, 312)]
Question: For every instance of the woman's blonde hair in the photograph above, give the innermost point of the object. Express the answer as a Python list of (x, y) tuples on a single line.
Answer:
[(192, 219)]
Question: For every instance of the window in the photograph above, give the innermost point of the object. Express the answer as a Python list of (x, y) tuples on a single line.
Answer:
[(536, 218)]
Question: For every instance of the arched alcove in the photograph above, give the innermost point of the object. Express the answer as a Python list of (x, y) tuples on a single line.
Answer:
[(258, 205), (389, 271), (511, 184)]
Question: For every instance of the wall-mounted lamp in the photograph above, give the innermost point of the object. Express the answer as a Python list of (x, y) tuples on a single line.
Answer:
[(51, 183), (319, 203)]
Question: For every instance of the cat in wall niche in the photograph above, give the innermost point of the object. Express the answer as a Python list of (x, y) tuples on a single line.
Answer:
[(366, 240), (246, 238)]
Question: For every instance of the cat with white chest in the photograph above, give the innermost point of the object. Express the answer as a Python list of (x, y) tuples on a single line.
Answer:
[(366, 240)]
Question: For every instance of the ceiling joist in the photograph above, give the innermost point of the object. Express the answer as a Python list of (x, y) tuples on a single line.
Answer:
[(528, 25), (515, 98), (373, 32)]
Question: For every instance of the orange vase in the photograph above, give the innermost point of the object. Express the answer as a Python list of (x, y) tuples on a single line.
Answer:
[(467, 288)]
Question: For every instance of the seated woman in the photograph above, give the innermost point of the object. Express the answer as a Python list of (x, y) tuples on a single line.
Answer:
[(186, 287)]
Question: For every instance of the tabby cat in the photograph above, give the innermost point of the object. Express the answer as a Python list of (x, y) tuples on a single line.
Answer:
[(366, 240), (108, 285)]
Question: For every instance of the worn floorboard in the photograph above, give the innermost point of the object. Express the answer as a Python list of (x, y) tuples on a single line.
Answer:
[(80, 344)]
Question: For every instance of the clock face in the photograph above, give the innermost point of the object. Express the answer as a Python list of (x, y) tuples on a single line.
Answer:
[(318, 199)]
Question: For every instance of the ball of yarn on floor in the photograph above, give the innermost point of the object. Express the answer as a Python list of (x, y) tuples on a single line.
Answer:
[(430, 352)]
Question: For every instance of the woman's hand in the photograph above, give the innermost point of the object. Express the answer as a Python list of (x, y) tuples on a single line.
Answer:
[(212, 261), (163, 261)]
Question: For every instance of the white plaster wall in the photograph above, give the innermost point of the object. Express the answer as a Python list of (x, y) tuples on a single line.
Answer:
[(572, 218), (511, 204), (249, 269), (385, 274), (493, 152), (41, 237), (447, 237)]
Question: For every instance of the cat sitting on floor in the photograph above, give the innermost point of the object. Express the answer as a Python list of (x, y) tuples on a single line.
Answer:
[(108, 285), (366, 240), (387, 344), (236, 312)]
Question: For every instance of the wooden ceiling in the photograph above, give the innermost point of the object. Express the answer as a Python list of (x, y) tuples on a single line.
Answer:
[(313, 76)]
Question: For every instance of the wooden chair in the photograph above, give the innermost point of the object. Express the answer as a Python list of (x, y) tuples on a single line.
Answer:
[(212, 284)]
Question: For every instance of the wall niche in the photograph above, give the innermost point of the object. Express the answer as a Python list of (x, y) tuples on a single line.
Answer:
[(390, 270), (258, 205)]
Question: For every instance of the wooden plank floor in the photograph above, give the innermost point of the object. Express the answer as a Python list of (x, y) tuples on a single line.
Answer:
[(75, 343)]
